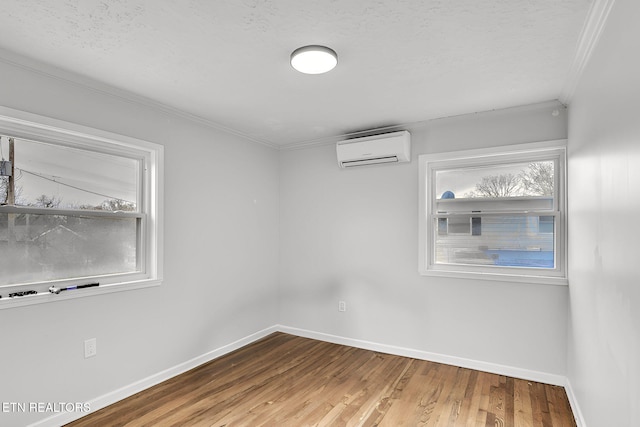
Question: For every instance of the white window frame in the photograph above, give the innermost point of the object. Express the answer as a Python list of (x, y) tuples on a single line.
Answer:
[(23, 125), (546, 150)]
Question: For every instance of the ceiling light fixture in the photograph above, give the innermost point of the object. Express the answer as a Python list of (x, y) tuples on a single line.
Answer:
[(314, 59)]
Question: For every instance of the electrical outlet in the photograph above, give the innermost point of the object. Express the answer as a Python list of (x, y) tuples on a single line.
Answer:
[(342, 306), (90, 348)]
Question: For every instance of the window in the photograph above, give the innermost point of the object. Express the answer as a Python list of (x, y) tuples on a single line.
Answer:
[(78, 206), (497, 213)]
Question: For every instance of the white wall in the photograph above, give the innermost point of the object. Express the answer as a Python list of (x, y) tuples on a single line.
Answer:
[(221, 259), (326, 234), (352, 235), (604, 230)]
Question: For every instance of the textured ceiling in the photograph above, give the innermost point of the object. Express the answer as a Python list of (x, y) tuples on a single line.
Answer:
[(227, 61)]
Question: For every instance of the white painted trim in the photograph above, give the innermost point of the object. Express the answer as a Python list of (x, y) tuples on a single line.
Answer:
[(48, 297), (145, 383), (591, 32), (493, 368), (22, 124), (412, 126), (67, 77), (428, 164), (136, 387), (575, 407)]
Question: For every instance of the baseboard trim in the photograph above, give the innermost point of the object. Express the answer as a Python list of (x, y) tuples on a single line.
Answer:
[(131, 389), (575, 407), (493, 368)]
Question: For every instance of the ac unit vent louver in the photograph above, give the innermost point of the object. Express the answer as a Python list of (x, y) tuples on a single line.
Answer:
[(392, 147)]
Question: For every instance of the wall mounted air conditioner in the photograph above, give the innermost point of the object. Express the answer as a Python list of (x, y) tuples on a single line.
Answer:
[(394, 147)]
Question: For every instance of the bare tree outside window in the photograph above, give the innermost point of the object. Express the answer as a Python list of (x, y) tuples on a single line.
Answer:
[(503, 185), (44, 201), (115, 205), (4, 186), (536, 180), (4, 193)]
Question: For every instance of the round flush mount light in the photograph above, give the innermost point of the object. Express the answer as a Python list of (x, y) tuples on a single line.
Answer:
[(314, 59)]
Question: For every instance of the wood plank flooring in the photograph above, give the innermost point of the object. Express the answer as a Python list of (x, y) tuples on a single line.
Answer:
[(283, 380)]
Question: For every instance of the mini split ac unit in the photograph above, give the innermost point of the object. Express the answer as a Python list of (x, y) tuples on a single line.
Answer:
[(394, 147)]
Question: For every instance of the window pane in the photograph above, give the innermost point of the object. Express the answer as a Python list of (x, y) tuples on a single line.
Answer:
[(500, 240), (49, 247), (55, 176), (496, 181)]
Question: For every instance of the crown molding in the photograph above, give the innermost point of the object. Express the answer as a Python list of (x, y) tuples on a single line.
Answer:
[(55, 73), (594, 25), (327, 140), (412, 126), (589, 37)]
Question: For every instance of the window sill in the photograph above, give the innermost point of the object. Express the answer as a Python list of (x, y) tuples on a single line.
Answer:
[(513, 278), (47, 297)]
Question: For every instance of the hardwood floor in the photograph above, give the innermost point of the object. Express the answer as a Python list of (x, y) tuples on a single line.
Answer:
[(283, 380)]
